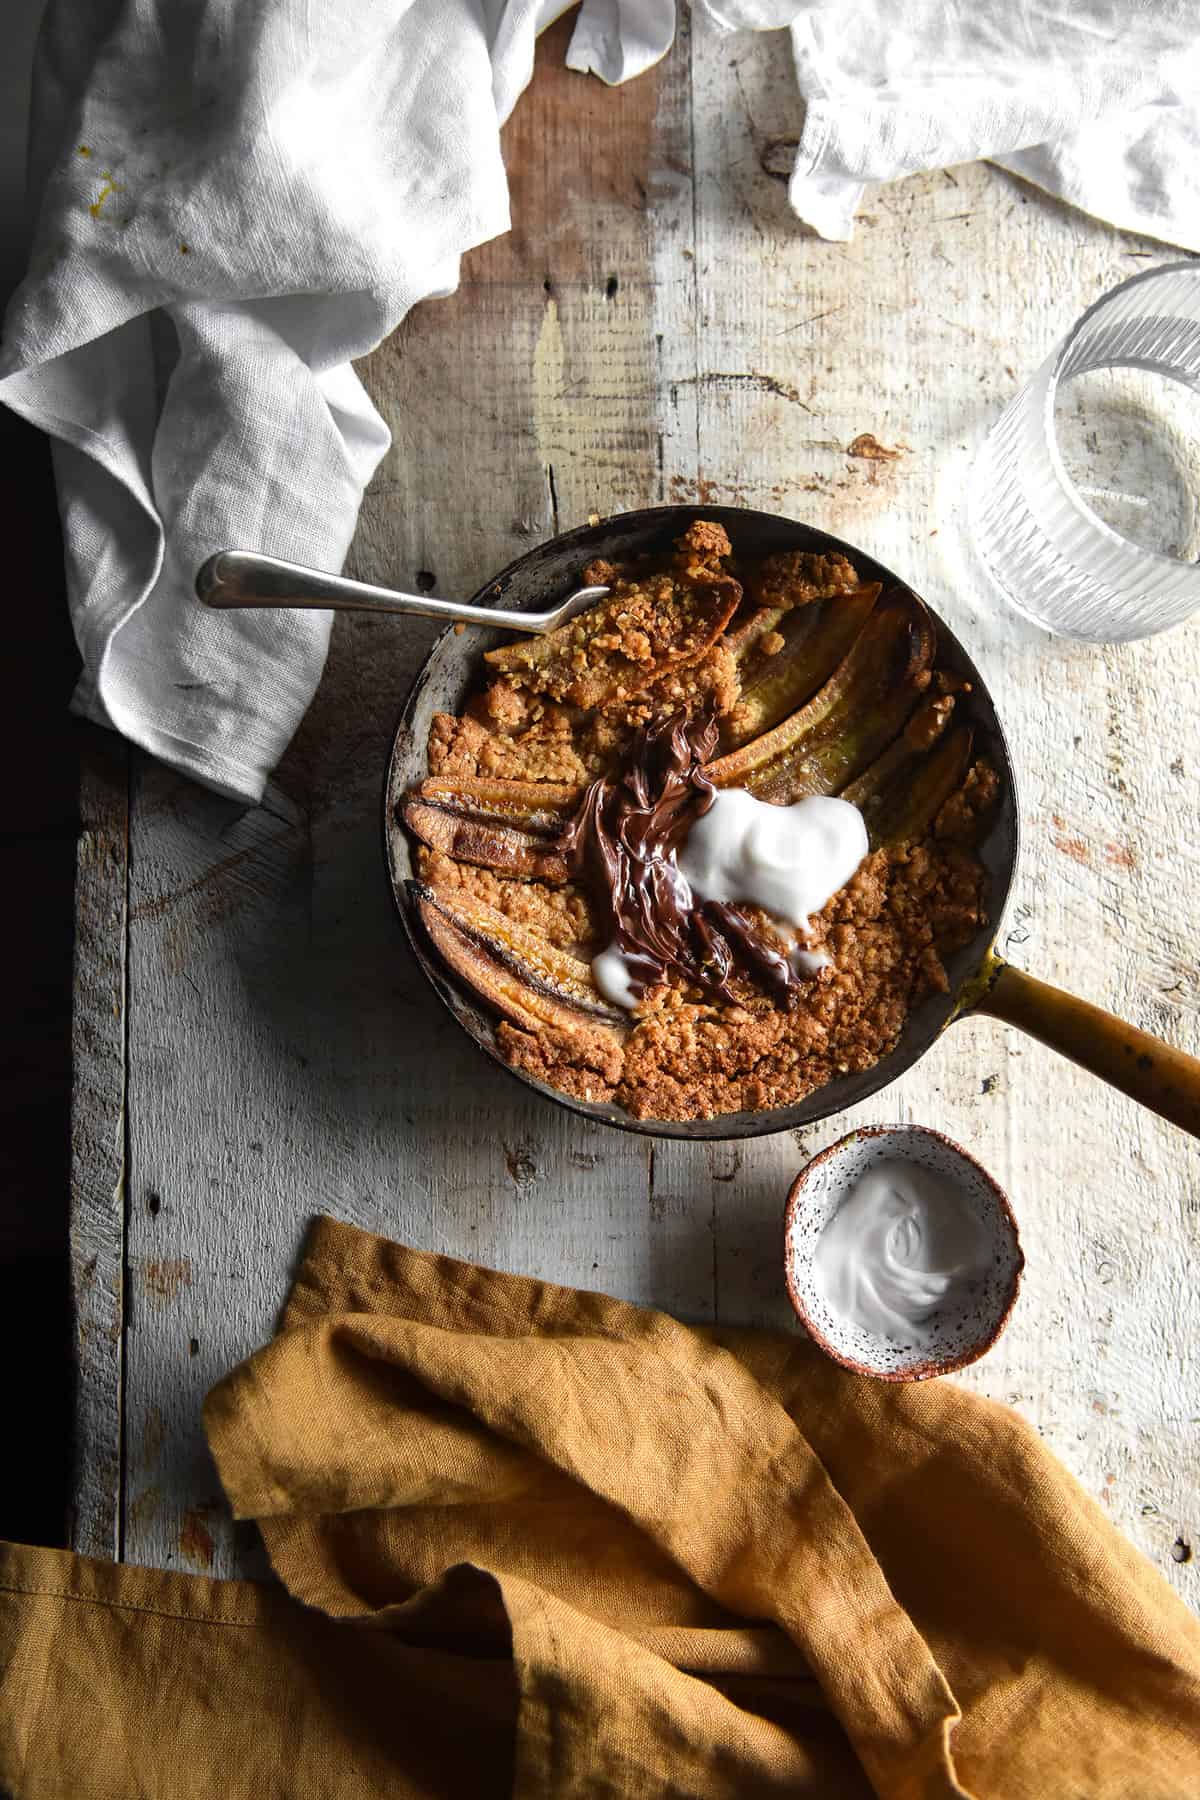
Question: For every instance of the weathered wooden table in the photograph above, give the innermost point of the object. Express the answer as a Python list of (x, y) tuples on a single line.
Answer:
[(253, 1042)]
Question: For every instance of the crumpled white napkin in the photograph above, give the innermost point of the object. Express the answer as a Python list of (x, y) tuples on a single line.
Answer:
[(238, 199), (1097, 101)]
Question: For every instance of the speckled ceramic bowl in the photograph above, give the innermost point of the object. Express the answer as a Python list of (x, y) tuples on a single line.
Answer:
[(967, 1326)]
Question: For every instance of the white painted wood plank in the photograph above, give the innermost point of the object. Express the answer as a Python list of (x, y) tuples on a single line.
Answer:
[(98, 1142)]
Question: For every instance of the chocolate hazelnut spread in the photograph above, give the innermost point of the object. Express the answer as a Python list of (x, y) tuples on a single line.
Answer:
[(623, 842)]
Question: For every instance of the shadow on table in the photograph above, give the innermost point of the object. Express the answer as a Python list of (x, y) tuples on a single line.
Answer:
[(39, 750)]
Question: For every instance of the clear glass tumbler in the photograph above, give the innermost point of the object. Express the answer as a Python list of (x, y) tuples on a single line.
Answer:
[(1084, 500)]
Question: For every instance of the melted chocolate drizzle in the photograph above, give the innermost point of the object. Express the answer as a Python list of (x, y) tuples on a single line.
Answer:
[(622, 842)]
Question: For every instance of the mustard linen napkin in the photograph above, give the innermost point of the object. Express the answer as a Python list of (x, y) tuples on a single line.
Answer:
[(549, 1543)]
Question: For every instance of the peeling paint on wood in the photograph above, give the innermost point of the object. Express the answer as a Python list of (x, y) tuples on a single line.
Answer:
[(163, 1278), (195, 1539)]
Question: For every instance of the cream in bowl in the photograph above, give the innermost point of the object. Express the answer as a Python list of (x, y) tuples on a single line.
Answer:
[(901, 1253)]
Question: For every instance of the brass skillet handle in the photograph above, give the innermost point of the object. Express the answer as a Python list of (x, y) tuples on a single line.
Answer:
[(1160, 1077)]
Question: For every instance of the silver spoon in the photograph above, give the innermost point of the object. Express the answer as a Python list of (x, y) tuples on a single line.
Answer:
[(241, 578)]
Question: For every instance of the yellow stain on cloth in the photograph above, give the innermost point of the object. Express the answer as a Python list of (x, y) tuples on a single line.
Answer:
[(110, 187)]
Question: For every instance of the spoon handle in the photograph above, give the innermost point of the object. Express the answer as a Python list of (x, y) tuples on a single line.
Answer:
[(240, 578)]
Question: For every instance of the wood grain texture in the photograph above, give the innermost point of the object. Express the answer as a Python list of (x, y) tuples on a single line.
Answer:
[(98, 1142), (657, 326)]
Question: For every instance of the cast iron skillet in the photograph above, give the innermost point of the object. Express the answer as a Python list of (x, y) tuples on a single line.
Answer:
[(1160, 1077)]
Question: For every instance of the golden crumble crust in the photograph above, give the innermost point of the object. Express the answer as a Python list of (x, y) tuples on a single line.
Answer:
[(711, 681), (886, 930), (652, 622), (796, 577), (585, 1065), (959, 819), (564, 712)]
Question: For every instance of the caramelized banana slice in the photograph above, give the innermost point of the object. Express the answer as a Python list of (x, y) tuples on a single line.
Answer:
[(921, 733), (648, 625), (911, 807), (517, 972), (741, 639), (505, 992), (850, 720), (903, 790), (538, 806), (487, 845), (814, 639)]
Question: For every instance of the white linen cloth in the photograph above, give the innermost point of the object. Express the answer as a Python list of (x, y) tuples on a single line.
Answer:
[(240, 196), (1097, 101)]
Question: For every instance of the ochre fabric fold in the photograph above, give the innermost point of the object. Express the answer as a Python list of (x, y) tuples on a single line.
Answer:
[(544, 1542)]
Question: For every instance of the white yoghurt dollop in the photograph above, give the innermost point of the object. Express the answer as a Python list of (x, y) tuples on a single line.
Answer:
[(790, 860), (809, 962), (902, 1245), (613, 975)]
